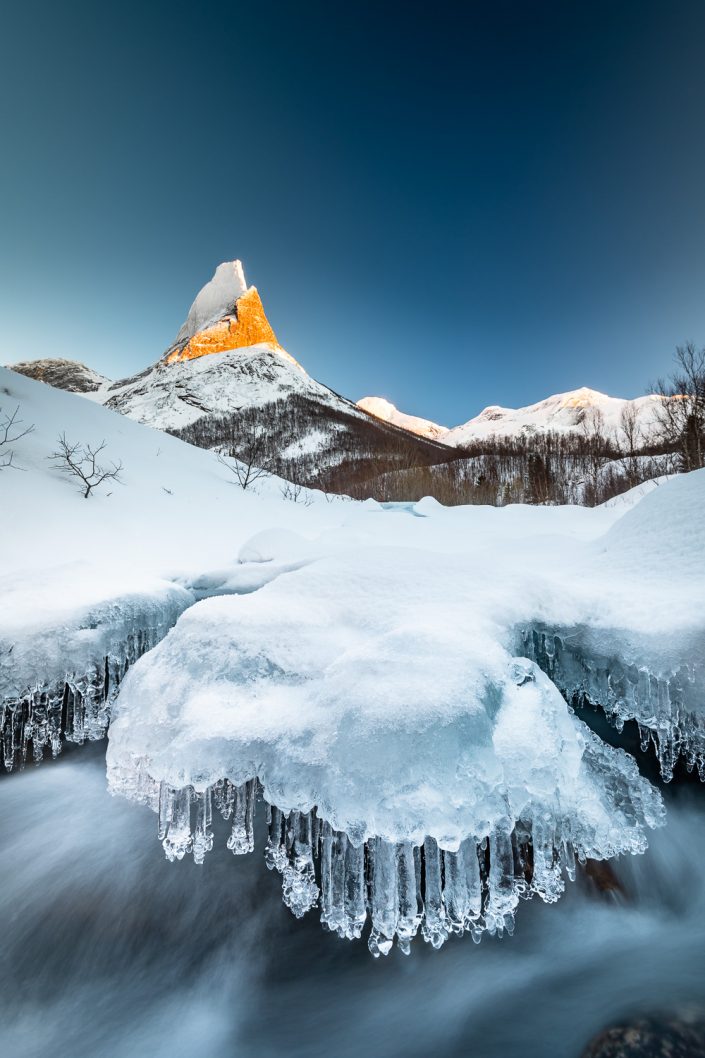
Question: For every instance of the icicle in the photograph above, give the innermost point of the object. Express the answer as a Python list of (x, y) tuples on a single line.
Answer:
[(299, 889), (385, 905), (546, 881), (241, 840), (410, 906), (339, 847), (435, 927), (177, 841), (326, 871), (166, 808), (203, 835), (355, 911), (275, 851), (462, 889), (224, 797), (502, 897)]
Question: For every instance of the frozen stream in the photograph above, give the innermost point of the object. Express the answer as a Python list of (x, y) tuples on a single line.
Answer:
[(110, 950)]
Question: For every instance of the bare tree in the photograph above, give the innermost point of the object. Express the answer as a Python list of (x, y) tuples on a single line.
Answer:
[(11, 431), (81, 462), (682, 410), (252, 455), (592, 428), (633, 440), (296, 493)]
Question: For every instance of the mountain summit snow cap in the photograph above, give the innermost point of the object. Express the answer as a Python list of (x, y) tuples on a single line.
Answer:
[(216, 299), (226, 315)]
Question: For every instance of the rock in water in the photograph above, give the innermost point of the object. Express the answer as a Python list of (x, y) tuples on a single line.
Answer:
[(652, 1037)]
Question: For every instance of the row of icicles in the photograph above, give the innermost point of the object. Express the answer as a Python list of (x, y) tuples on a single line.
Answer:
[(402, 888)]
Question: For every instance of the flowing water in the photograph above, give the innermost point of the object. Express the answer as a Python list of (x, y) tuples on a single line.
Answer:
[(108, 951)]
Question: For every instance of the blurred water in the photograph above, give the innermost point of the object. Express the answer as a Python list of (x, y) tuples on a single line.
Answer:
[(108, 951)]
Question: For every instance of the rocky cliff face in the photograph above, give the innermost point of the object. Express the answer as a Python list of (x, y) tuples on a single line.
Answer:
[(245, 325), (62, 374), (226, 315)]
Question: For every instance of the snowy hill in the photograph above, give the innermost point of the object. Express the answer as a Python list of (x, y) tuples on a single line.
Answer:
[(78, 583), (387, 412), (561, 413)]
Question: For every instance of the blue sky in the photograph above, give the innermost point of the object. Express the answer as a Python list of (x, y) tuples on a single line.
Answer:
[(449, 205)]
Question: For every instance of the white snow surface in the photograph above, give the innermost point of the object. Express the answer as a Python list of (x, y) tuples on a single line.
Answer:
[(171, 396), (561, 413), (371, 662), (386, 411), (66, 561), (215, 300), (379, 676)]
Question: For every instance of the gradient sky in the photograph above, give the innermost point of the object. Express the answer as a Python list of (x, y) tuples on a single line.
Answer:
[(448, 204)]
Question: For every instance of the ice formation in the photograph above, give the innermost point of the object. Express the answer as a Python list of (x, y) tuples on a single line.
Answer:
[(634, 643), (402, 748), (421, 772), (61, 665), (550, 791)]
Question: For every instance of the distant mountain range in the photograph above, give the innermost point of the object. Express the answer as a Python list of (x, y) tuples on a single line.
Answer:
[(225, 379), (562, 413)]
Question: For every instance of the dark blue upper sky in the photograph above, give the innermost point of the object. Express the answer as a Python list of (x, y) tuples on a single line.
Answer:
[(449, 204)]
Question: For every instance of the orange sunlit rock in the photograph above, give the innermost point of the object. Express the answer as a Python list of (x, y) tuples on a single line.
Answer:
[(247, 326)]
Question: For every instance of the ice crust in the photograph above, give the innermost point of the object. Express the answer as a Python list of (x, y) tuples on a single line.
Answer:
[(61, 669)]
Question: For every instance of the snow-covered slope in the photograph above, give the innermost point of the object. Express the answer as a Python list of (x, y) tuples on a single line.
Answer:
[(387, 412), (175, 512), (225, 357), (562, 413), (70, 375), (170, 396)]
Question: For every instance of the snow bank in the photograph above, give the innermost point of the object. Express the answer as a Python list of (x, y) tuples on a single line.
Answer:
[(380, 687), (86, 585)]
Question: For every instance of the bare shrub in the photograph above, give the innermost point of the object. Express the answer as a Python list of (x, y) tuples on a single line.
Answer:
[(80, 461), (11, 430)]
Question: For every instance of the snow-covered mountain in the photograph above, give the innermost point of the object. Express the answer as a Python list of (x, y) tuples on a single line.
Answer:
[(226, 380), (386, 411), (226, 376), (225, 357), (62, 374), (561, 413)]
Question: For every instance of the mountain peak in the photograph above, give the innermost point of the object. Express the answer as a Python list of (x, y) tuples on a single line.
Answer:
[(383, 409), (226, 314)]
